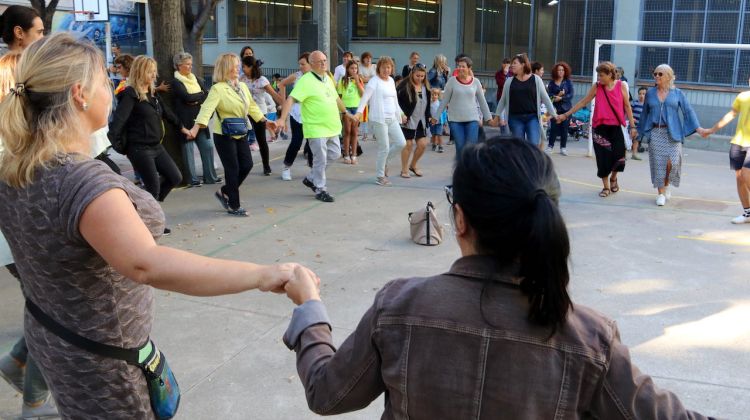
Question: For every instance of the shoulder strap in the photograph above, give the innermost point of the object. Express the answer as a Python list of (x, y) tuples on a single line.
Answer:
[(105, 350), (610, 105)]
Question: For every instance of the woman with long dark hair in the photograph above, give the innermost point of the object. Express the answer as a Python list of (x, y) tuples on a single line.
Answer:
[(414, 99), (612, 107), (252, 76), (560, 89), (497, 336)]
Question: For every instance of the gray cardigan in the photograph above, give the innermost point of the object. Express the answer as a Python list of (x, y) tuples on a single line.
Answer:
[(541, 95), (462, 100)]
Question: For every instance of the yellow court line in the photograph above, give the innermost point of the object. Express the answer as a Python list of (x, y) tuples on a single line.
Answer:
[(720, 241), (595, 186)]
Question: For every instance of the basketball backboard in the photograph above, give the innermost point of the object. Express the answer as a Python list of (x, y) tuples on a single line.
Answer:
[(91, 10)]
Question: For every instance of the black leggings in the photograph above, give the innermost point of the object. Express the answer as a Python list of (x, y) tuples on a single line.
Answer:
[(259, 128), (237, 161), (295, 144), (150, 162)]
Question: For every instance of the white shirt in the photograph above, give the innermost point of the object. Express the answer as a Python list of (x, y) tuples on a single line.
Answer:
[(338, 73), (380, 95)]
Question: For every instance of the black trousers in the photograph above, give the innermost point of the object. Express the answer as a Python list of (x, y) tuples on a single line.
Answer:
[(295, 144), (237, 160), (259, 128), (151, 162)]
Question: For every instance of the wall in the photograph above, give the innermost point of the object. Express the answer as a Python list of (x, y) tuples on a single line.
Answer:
[(627, 26)]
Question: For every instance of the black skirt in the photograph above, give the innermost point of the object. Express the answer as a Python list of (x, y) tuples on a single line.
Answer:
[(609, 149)]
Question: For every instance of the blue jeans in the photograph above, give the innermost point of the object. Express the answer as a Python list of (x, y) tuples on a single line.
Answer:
[(463, 133), (525, 126), (206, 149)]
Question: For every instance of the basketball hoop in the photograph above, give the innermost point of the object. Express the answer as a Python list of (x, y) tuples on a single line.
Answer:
[(83, 15)]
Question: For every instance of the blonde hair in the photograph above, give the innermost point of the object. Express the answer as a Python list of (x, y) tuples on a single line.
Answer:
[(225, 64), (40, 120), (668, 73), (382, 61), (139, 72), (441, 63), (438, 91), (8, 64)]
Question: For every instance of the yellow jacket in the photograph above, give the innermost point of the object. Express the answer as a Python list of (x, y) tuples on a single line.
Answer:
[(228, 104)]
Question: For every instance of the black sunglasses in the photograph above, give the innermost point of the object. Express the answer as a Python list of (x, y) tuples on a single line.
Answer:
[(658, 74), (449, 194)]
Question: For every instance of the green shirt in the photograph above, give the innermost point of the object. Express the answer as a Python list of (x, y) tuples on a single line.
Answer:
[(320, 111), (349, 94)]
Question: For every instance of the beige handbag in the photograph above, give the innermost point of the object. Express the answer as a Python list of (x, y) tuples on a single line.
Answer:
[(425, 227)]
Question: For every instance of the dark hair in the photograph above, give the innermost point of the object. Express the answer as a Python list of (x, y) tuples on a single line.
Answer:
[(115, 45), (464, 59), (125, 60), (254, 65), (566, 68), (276, 76), (458, 57), (305, 55), (607, 67), (365, 55), (245, 48), (508, 191), (16, 16), (345, 78), (506, 60), (535, 66), (524, 60), (642, 88), (351, 54)]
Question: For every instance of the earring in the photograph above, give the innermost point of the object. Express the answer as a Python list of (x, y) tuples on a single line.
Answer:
[(85, 106)]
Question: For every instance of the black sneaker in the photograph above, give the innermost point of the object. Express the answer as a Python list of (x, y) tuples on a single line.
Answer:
[(167, 231), (238, 212), (267, 172), (440, 149), (324, 197), (223, 201), (308, 184), (434, 147), (195, 184)]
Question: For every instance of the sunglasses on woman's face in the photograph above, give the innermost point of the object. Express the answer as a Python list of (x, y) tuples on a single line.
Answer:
[(658, 74), (449, 194)]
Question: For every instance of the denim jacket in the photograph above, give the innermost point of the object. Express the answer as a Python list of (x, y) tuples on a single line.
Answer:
[(460, 346), (654, 111)]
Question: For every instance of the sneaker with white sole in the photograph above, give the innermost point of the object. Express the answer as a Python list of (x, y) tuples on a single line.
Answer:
[(661, 200), (13, 372), (743, 218), (548, 149), (564, 151), (286, 174), (44, 410), (383, 181)]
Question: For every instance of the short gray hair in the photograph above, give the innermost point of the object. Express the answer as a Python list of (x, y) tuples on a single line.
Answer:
[(180, 58)]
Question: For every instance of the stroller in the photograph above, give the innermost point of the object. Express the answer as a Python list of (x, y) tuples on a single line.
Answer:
[(579, 124)]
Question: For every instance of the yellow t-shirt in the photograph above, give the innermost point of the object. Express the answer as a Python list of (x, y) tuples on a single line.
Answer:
[(320, 112), (741, 105)]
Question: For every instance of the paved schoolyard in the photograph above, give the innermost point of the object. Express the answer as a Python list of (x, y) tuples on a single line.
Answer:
[(675, 278)]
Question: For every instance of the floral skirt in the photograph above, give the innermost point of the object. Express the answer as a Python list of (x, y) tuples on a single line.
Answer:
[(609, 149)]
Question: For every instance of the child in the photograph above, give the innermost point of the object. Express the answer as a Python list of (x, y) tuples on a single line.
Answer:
[(637, 106), (275, 82), (271, 114), (437, 128)]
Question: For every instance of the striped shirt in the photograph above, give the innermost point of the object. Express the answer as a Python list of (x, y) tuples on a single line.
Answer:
[(637, 108)]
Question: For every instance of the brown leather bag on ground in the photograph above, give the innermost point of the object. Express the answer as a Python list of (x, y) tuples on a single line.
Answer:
[(425, 227)]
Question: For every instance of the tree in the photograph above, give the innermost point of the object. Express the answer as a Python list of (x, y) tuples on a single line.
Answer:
[(46, 12), (195, 23), (167, 30)]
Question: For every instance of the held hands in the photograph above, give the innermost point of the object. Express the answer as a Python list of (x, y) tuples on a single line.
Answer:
[(633, 133), (298, 281), (403, 119), (352, 117), (280, 125), (272, 126), (493, 122), (188, 133), (704, 132), (560, 118), (358, 116), (193, 132)]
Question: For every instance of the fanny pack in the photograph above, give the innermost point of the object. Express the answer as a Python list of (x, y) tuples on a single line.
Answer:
[(162, 385), (234, 126)]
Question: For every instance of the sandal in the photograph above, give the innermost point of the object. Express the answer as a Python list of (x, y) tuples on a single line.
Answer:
[(613, 185), (416, 172), (604, 192), (405, 175)]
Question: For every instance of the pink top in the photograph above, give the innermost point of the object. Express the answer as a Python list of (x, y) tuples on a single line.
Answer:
[(603, 114)]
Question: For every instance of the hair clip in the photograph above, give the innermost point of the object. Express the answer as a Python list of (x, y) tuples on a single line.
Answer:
[(18, 91)]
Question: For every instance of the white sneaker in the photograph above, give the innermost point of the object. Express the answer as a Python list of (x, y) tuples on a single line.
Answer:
[(668, 193), (286, 174), (564, 151), (45, 410), (548, 150), (741, 219), (661, 200)]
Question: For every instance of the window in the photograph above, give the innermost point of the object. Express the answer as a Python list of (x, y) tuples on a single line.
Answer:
[(267, 19), (715, 21), (396, 19)]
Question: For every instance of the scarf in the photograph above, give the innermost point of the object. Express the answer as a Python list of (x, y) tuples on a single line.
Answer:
[(190, 82)]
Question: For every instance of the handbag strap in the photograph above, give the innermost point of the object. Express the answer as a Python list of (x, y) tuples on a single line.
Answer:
[(610, 106), (130, 356)]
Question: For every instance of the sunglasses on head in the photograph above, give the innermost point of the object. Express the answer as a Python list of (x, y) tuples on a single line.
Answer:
[(420, 66)]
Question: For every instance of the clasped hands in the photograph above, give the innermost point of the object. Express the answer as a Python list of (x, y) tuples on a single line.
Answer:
[(298, 282)]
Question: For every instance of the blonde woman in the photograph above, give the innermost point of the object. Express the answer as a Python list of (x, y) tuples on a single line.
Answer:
[(230, 98), (87, 236), (667, 118), (384, 117), (439, 73), (138, 130)]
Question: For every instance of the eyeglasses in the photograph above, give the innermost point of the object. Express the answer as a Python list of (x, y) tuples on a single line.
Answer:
[(658, 74), (449, 194)]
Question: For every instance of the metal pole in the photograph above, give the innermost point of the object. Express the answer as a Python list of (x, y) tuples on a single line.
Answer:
[(323, 8), (590, 153)]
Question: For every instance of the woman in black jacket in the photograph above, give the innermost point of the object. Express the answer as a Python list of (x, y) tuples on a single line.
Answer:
[(414, 99), (189, 93), (137, 130)]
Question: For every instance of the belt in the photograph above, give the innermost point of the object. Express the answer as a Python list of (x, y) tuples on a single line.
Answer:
[(660, 126)]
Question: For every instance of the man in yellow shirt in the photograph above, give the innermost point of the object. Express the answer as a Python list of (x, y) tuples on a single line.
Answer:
[(739, 153), (321, 111)]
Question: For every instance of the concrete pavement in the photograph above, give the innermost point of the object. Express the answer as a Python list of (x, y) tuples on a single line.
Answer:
[(674, 278)]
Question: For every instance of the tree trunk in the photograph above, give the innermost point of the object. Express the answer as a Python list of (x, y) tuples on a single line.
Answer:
[(46, 12), (195, 22), (167, 29)]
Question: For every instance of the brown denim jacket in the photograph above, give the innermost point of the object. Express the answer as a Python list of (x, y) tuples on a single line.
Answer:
[(451, 347)]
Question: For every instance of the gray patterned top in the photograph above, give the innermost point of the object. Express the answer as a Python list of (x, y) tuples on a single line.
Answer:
[(69, 281)]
